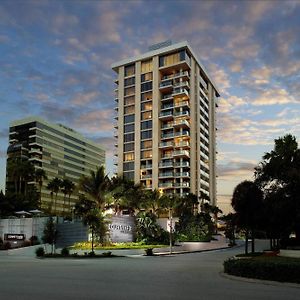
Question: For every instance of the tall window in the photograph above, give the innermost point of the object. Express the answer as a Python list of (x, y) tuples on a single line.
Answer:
[(146, 77), (129, 70), (129, 156), (146, 66)]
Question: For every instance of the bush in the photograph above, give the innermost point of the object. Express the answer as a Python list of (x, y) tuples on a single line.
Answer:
[(65, 252), (267, 268), (106, 254), (34, 240), (40, 252), (149, 252), (26, 243)]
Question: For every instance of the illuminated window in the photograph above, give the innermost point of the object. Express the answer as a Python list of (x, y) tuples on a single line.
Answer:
[(146, 115), (146, 77), (129, 91), (146, 106), (129, 156), (146, 96), (146, 154), (146, 144), (146, 66)]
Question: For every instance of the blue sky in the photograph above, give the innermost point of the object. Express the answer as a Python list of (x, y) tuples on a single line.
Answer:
[(55, 59)]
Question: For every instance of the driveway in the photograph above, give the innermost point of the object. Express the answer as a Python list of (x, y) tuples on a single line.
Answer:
[(187, 276)]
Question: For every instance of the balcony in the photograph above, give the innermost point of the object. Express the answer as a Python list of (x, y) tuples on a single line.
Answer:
[(181, 153), (166, 174), (180, 92), (168, 164), (182, 174), (182, 133), (182, 104), (167, 135), (182, 114), (35, 150), (184, 74), (182, 164), (166, 184), (167, 156), (167, 126), (166, 115), (167, 106), (166, 145), (166, 86), (146, 166), (185, 144), (181, 84), (167, 97), (181, 123), (182, 185), (146, 176)]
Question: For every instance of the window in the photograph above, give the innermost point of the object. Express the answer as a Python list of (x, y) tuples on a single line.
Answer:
[(146, 77), (146, 96), (129, 110), (146, 106), (129, 128), (146, 135), (129, 137), (129, 81), (129, 156), (146, 154), (129, 91), (146, 144), (147, 86), (129, 119), (129, 70), (146, 115), (172, 58), (129, 175), (146, 66), (128, 147), (128, 166), (146, 125), (129, 100)]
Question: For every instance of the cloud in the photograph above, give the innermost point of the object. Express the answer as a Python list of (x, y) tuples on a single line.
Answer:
[(274, 96), (261, 75), (84, 98), (230, 103)]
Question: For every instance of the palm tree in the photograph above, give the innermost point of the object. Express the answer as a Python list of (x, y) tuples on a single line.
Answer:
[(67, 187), (40, 176), (96, 185), (54, 186)]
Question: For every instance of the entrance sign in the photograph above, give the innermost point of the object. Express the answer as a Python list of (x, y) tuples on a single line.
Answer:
[(121, 229)]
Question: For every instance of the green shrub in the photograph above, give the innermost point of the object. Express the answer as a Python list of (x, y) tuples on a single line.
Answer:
[(39, 252), (34, 240), (106, 254), (267, 268), (65, 252), (149, 252)]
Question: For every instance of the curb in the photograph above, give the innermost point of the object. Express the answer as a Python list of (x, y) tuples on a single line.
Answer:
[(259, 281)]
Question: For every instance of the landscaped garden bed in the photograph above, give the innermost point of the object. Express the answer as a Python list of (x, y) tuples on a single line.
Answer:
[(283, 269)]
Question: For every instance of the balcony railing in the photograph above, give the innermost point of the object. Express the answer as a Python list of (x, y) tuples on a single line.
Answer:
[(166, 113), (166, 106), (181, 113), (182, 103), (166, 174), (166, 144), (165, 164), (146, 166), (182, 164), (178, 91), (182, 133), (181, 153), (182, 144), (167, 126), (167, 135), (166, 83), (166, 184), (181, 122), (146, 176), (182, 174)]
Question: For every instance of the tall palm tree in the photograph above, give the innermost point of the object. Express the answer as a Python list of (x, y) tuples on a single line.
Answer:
[(67, 187), (40, 176), (54, 186), (96, 185)]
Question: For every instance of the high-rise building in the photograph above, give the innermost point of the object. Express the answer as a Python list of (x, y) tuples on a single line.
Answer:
[(58, 150), (166, 124)]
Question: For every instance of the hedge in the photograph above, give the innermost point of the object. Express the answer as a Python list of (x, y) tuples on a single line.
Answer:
[(281, 269)]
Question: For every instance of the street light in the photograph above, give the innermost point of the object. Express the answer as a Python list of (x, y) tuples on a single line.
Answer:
[(171, 228)]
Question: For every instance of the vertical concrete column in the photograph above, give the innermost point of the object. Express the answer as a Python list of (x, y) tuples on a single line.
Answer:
[(137, 124), (198, 112), (155, 123), (120, 120), (212, 143), (193, 130)]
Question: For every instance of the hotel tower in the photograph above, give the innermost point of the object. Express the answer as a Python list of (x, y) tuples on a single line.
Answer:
[(165, 123)]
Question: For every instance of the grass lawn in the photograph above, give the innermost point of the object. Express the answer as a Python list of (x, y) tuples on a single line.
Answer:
[(117, 246)]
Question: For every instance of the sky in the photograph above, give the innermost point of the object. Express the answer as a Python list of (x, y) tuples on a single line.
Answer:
[(56, 56)]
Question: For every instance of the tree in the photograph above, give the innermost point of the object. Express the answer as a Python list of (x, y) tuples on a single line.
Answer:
[(40, 176), (92, 217), (96, 186), (54, 186), (50, 233), (67, 187), (247, 201), (279, 175)]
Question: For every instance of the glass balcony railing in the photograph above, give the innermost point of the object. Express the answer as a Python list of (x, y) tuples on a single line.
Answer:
[(167, 135), (182, 174), (146, 166), (166, 113), (182, 103), (182, 133), (166, 184), (166, 83), (166, 144), (166, 106), (181, 153), (181, 122), (177, 91), (182, 144), (182, 164), (166, 174), (167, 126), (181, 113), (165, 164)]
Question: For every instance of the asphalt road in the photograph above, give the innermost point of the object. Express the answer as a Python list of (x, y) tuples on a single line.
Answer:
[(186, 276)]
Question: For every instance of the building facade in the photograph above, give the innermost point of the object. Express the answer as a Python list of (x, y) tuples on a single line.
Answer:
[(166, 124), (58, 150)]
